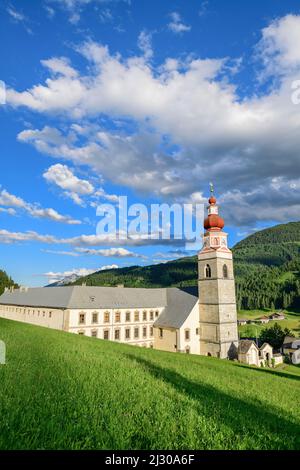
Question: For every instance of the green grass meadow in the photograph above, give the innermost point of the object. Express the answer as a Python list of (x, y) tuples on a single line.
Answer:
[(63, 391)]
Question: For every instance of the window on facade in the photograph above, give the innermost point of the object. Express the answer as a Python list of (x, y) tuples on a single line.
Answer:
[(151, 315), (207, 271), (187, 335), (136, 332), (127, 316), (81, 333), (197, 331), (95, 317), (144, 332), (117, 335), (81, 318), (136, 316), (127, 333), (106, 317), (161, 333), (106, 334), (144, 315), (225, 271), (156, 313), (187, 350), (94, 333), (117, 317), (50, 314), (151, 330)]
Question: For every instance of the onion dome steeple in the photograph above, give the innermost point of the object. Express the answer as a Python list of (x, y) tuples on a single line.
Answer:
[(213, 221)]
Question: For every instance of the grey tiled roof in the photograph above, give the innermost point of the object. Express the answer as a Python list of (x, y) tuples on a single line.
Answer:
[(244, 345), (86, 297), (179, 305)]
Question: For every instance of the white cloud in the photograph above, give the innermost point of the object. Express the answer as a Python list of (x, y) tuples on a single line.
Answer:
[(75, 7), (110, 252), (14, 237), (145, 44), (50, 11), (61, 253), (63, 177), (209, 128), (9, 211), (86, 240), (203, 8), (7, 199), (60, 66), (18, 17), (81, 272), (176, 24), (52, 214), (102, 194), (279, 46)]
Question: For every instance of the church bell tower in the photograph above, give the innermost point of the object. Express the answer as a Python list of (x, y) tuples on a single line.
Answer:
[(217, 302)]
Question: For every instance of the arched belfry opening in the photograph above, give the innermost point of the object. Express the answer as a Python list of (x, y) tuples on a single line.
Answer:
[(207, 271), (225, 271)]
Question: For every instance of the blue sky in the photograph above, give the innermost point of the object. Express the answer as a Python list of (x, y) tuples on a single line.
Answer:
[(152, 100)]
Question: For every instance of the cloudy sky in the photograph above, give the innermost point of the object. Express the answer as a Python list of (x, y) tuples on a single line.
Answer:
[(146, 99)]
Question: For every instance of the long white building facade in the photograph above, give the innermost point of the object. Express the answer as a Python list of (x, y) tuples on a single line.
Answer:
[(120, 314), (170, 319)]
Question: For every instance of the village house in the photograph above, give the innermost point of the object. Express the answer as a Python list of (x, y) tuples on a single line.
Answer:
[(242, 321), (277, 316), (263, 319), (291, 348)]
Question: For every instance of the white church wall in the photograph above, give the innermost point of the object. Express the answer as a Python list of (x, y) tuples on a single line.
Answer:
[(191, 324)]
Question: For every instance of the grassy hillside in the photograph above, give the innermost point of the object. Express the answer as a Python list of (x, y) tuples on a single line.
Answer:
[(267, 270), (62, 391)]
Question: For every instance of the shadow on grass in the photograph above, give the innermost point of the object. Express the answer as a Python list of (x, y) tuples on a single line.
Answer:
[(278, 373), (251, 422)]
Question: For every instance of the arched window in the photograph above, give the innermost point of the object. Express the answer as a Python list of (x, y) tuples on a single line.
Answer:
[(207, 271), (225, 271)]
